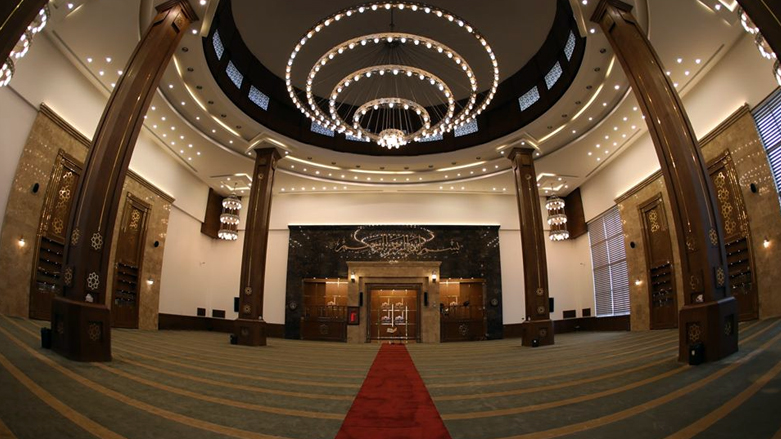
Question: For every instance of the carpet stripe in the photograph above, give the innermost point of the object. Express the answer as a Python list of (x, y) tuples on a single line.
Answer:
[(236, 386), (5, 432), (77, 418), (563, 402), (716, 415), (176, 417), (222, 401), (393, 402), (525, 390), (632, 411)]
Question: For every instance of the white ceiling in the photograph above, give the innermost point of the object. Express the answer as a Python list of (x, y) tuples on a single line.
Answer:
[(598, 109)]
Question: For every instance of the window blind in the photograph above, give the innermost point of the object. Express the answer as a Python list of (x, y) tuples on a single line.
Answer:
[(767, 116), (608, 257)]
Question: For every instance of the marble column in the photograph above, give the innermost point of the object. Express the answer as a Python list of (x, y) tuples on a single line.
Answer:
[(709, 316), (766, 14), (250, 327), (538, 325), (15, 16), (80, 319)]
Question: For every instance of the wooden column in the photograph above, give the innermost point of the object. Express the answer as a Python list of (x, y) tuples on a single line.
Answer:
[(80, 329), (538, 325), (709, 315), (15, 16), (766, 14), (250, 327)]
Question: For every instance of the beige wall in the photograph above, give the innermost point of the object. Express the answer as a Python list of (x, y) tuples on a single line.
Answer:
[(48, 136)]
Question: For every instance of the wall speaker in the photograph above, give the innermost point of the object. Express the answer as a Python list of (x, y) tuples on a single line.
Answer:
[(235, 304), (46, 338), (360, 298), (753, 187), (696, 354), (425, 298), (535, 343), (550, 303), (234, 339)]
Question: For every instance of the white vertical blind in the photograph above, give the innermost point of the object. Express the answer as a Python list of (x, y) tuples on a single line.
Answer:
[(767, 116), (608, 257)]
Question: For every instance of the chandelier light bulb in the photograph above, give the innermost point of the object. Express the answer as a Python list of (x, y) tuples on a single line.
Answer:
[(764, 47)]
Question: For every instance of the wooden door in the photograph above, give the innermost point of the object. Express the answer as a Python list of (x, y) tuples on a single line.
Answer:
[(50, 239), (129, 263), (324, 315), (663, 297), (393, 312), (737, 236), (462, 314)]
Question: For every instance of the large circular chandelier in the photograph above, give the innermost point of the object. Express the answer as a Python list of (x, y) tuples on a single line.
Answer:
[(391, 88), (8, 68)]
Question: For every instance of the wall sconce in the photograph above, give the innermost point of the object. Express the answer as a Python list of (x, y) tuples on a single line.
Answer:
[(352, 276), (150, 281), (434, 277), (638, 282), (22, 242), (766, 243)]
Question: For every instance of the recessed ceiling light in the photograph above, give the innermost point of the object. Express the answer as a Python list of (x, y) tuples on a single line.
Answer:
[(589, 153), (163, 118), (617, 86), (89, 59), (108, 59), (697, 61), (592, 30), (680, 60), (170, 86), (198, 153), (197, 117), (686, 73), (195, 31), (101, 73), (675, 85), (154, 126), (113, 84), (119, 72), (70, 5), (203, 2)]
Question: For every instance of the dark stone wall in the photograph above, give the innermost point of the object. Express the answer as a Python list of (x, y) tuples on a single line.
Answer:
[(323, 251)]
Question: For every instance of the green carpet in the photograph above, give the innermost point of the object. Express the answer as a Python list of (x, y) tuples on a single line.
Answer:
[(177, 384)]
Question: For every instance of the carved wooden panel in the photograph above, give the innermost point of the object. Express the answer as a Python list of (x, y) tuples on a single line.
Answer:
[(734, 220), (659, 262), (50, 240), (324, 314), (462, 311), (129, 262)]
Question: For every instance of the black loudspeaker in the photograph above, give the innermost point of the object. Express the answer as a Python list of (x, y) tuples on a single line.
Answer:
[(46, 338), (360, 298), (235, 304), (425, 298), (550, 303), (535, 343), (234, 339), (696, 354)]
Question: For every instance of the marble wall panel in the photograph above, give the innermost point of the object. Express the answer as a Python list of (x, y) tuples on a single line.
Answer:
[(48, 135), (313, 253)]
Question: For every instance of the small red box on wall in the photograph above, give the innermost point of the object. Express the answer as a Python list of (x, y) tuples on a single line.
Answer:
[(353, 315)]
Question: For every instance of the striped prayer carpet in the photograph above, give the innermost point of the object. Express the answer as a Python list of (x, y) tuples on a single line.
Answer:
[(173, 384)]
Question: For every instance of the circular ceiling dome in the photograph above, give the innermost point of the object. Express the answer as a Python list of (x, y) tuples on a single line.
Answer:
[(394, 78)]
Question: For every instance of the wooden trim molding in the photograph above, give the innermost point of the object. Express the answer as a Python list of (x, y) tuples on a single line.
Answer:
[(145, 183), (84, 140), (639, 186), (194, 323), (725, 124), (615, 323), (60, 122)]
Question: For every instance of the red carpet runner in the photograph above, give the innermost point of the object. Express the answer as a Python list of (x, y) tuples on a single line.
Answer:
[(393, 402)]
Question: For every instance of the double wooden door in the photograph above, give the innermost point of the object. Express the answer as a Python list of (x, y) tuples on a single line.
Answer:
[(737, 236), (663, 296), (50, 240), (129, 264)]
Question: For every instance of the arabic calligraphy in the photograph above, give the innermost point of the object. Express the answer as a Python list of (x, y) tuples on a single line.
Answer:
[(394, 242)]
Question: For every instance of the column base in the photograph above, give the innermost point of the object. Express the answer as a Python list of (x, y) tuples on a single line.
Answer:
[(81, 331), (540, 330), (250, 332), (714, 324)]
